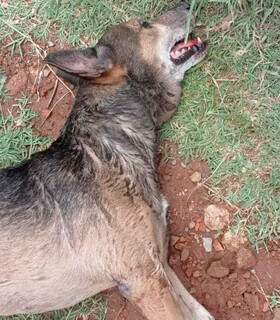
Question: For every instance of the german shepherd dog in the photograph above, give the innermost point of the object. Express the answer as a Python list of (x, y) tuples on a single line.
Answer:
[(87, 214)]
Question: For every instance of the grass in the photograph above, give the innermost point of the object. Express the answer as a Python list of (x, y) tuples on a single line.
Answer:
[(77, 22), (274, 299), (229, 115), (17, 141), (81, 311)]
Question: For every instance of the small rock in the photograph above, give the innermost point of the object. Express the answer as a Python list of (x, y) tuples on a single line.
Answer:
[(173, 162), (4, 4), (216, 218), (207, 244), (276, 314), (196, 274), (51, 44), (233, 241), (217, 270), (192, 225), (173, 240), (185, 254), (265, 307), (246, 260), (217, 246), (230, 304), (46, 72), (196, 177), (183, 165), (179, 246), (252, 301)]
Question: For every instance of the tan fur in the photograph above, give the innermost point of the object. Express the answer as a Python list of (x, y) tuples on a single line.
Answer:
[(57, 249)]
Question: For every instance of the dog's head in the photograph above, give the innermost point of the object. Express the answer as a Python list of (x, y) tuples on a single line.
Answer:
[(136, 48)]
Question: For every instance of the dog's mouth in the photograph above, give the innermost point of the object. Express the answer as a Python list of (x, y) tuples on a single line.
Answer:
[(183, 50)]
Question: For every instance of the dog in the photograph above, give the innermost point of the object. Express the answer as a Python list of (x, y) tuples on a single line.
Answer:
[(87, 214)]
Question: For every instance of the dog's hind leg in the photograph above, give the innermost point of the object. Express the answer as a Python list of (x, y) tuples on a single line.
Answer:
[(186, 300)]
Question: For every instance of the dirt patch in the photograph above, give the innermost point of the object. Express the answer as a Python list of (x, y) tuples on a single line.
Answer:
[(221, 279), (47, 95)]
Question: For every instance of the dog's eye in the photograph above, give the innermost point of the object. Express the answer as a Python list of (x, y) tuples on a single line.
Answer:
[(146, 24)]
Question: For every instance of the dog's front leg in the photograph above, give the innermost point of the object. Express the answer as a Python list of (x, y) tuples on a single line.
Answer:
[(153, 295), (187, 301)]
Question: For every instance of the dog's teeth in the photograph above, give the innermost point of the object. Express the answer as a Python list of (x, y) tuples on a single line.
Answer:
[(199, 40)]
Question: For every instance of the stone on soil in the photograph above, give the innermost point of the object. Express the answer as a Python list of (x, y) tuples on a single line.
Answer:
[(196, 177), (207, 244), (185, 254), (233, 241), (217, 270), (246, 260), (216, 218)]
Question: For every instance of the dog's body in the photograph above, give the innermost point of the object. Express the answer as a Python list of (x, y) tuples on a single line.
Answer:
[(87, 214)]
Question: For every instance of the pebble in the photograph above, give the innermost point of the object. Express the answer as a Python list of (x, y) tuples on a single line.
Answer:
[(196, 177), (216, 218), (179, 246), (173, 240), (246, 260), (51, 44), (185, 254), (265, 307), (217, 246), (46, 72), (233, 241), (173, 162), (197, 274), (217, 270), (192, 225), (207, 244)]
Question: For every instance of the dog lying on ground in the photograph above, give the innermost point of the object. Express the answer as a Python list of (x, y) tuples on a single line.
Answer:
[(87, 214)]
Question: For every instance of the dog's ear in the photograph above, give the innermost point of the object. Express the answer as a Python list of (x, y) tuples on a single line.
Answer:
[(88, 63)]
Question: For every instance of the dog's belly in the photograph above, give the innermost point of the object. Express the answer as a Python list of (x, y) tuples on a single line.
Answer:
[(42, 295), (38, 275)]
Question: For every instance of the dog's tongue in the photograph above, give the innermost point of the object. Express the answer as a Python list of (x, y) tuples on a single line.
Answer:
[(182, 47)]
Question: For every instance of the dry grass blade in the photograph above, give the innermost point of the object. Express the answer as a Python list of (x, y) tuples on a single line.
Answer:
[(188, 24)]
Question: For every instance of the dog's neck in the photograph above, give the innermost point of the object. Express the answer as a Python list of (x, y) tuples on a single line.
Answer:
[(118, 127)]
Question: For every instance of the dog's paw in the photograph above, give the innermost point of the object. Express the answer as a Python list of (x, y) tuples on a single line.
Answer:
[(202, 314)]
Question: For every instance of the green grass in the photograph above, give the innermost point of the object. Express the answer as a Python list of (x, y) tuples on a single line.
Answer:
[(17, 141), (274, 299), (230, 113), (77, 22), (80, 311)]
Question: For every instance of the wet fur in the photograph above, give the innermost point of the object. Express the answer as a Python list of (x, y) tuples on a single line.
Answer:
[(87, 214)]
